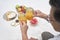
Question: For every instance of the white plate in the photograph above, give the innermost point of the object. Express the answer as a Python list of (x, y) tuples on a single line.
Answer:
[(9, 15)]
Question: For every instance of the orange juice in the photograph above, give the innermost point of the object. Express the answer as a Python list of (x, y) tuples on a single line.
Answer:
[(29, 13), (22, 17)]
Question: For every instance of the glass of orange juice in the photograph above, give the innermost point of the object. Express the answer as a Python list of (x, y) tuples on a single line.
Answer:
[(21, 17)]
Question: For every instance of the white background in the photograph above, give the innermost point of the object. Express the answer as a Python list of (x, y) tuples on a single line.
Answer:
[(7, 32)]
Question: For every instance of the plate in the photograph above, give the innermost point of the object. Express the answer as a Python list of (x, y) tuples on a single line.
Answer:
[(9, 15)]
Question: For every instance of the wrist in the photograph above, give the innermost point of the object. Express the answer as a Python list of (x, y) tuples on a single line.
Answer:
[(46, 16), (24, 32), (24, 36)]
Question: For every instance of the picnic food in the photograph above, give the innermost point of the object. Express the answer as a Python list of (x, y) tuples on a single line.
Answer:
[(34, 21), (29, 13), (24, 14), (21, 17), (9, 15), (21, 9)]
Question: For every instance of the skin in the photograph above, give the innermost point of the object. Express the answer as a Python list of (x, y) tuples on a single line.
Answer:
[(38, 13), (54, 23), (24, 27)]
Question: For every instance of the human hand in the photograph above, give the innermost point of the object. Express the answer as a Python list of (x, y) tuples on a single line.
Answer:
[(23, 26), (38, 13)]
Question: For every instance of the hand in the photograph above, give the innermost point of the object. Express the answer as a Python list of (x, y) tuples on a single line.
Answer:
[(23, 26), (40, 14), (37, 13)]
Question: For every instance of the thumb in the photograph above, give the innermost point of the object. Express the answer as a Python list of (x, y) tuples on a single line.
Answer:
[(21, 23), (24, 23), (35, 12)]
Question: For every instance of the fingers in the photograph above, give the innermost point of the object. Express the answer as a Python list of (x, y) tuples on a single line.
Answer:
[(35, 13), (38, 11), (22, 23)]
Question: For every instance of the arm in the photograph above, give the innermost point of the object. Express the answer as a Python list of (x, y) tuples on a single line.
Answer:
[(24, 28), (40, 14), (24, 36)]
